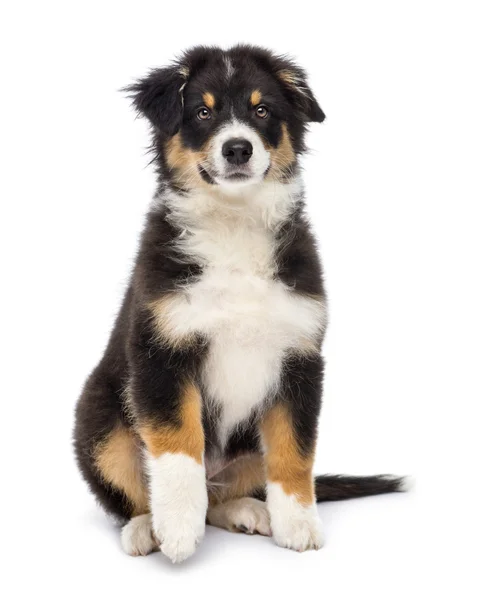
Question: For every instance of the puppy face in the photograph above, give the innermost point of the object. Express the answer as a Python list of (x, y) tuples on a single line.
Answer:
[(228, 118)]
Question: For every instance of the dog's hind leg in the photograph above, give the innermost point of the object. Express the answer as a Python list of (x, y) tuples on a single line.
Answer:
[(243, 477), (108, 450), (137, 536), (242, 515), (235, 498)]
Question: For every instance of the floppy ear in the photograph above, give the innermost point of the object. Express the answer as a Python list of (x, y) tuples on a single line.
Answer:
[(159, 97), (295, 81)]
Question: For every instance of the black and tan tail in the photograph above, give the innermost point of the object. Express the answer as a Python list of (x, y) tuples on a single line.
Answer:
[(345, 487)]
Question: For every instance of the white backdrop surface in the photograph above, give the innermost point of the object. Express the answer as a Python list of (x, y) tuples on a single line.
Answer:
[(402, 190)]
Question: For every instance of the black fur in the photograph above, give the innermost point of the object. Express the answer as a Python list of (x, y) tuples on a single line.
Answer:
[(136, 364), (344, 487), (298, 261), (158, 97), (331, 488)]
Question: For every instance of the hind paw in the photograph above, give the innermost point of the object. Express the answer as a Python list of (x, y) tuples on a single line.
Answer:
[(137, 537), (244, 515)]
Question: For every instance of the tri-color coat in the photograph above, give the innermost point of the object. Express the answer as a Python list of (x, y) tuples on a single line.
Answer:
[(205, 404)]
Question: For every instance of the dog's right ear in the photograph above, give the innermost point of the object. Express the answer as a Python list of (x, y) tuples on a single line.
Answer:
[(159, 97)]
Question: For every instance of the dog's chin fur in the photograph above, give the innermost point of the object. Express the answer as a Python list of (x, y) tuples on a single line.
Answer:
[(233, 186), (215, 358)]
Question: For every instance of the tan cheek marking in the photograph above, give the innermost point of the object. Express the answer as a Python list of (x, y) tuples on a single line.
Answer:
[(255, 97), (187, 437), (118, 460), (177, 156), (283, 156), (284, 462), (184, 162), (238, 480), (209, 100)]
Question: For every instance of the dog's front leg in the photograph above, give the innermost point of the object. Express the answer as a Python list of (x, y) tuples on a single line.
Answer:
[(289, 435), (168, 412), (178, 492)]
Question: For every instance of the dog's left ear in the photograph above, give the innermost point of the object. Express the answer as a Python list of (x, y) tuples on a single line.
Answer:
[(159, 97), (295, 81)]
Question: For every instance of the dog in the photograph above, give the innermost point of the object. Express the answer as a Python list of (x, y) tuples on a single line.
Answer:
[(205, 405)]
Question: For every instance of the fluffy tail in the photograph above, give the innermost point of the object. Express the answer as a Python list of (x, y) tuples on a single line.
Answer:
[(343, 487)]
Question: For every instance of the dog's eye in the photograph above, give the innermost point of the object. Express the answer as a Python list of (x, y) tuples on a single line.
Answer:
[(204, 113), (262, 111)]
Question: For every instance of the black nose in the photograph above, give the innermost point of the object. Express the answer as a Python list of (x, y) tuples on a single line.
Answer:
[(237, 151)]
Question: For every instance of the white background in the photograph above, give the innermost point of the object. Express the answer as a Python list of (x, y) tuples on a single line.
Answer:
[(402, 190)]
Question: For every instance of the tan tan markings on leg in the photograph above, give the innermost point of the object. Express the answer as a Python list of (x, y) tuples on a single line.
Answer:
[(239, 479), (209, 100), (187, 437), (255, 97), (119, 462), (285, 463)]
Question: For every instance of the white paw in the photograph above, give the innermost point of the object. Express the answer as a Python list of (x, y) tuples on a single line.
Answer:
[(137, 537), (179, 504), (300, 534), (181, 541), (246, 515), (180, 531), (294, 526)]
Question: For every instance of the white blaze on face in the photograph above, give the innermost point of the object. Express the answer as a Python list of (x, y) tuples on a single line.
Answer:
[(257, 165), (229, 68)]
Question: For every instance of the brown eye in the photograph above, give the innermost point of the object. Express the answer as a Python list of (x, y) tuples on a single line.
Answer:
[(203, 114), (262, 111)]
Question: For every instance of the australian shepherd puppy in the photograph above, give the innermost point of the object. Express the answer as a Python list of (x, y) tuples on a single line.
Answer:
[(205, 405)]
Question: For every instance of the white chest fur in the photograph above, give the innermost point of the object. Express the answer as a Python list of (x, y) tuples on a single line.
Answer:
[(249, 318)]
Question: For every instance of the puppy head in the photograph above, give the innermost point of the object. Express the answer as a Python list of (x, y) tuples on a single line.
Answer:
[(227, 118)]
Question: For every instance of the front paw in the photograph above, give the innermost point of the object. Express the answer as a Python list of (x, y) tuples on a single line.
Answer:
[(179, 504), (294, 525), (299, 533), (178, 537)]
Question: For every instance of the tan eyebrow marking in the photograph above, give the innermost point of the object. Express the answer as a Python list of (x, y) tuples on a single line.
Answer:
[(255, 97), (209, 100)]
